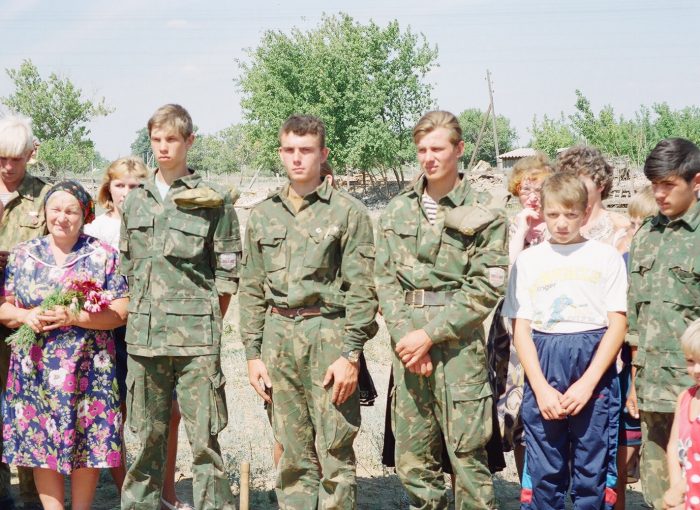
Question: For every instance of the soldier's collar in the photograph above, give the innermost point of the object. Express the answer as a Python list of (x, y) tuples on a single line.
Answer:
[(26, 187), (457, 196), (324, 191), (690, 218)]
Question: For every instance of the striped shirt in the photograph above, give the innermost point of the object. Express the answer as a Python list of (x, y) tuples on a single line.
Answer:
[(430, 207)]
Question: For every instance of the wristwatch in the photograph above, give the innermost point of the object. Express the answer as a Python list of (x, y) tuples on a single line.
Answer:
[(352, 356)]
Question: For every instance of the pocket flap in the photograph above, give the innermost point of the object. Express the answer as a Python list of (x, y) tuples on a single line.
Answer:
[(197, 228), (470, 392), (272, 234), (217, 380), (403, 228), (137, 221), (135, 306), (187, 306)]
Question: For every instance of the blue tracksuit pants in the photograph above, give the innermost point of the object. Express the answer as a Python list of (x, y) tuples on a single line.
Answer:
[(582, 448)]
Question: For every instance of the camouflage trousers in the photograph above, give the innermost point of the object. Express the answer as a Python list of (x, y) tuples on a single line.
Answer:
[(200, 394), (653, 469), (27, 489), (454, 404), (297, 352)]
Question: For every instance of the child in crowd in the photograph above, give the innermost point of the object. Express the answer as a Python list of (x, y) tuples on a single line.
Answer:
[(641, 206), (527, 228), (567, 299), (597, 175), (684, 444)]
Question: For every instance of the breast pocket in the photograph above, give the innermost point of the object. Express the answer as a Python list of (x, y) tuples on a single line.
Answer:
[(684, 283), (186, 238), (403, 242), (272, 247), (454, 249), (322, 248), (140, 236)]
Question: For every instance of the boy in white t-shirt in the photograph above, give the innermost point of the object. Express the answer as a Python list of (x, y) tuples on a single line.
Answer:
[(567, 299)]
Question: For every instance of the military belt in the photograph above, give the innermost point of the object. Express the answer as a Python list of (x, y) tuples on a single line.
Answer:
[(420, 297), (292, 313)]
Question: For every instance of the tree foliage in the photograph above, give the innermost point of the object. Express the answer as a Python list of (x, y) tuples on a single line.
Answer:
[(141, 146), (616, 135), (59, 116), (365, 81), (471, 121)]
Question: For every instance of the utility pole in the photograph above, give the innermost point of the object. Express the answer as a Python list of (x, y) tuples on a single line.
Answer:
[(493, 115)]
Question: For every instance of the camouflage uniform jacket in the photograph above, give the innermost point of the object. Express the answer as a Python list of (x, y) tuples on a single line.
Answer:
[(320, 256), (413, 254), (663, 299), (24, 217), (178, 261)]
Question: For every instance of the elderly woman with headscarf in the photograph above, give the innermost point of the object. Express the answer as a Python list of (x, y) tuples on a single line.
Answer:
[(61, 409)]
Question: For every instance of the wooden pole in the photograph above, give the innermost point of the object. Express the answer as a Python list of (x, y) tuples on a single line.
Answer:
[(245, 486), (493, 115), (478, 138)]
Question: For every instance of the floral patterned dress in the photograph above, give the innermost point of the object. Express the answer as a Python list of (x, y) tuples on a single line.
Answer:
[(61, 409)]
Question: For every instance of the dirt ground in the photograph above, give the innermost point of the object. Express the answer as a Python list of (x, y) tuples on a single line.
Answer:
[(248, 436)]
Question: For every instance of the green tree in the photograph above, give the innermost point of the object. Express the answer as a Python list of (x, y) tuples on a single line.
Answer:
[(59, 116), (551, 134), (471, 121), (141, 147), (365, 81)]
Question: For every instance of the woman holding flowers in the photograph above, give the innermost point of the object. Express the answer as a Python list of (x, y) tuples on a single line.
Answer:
[(61, 410)]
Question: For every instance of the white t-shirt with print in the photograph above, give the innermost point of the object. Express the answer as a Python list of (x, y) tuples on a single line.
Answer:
[(105, 228), (567, 288)]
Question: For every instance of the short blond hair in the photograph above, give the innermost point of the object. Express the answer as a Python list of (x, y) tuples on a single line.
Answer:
[(131, 166), (643, 204), (435, 120), (690, 340), (16, 138), (565, 188), (172, 115), (535, 168)]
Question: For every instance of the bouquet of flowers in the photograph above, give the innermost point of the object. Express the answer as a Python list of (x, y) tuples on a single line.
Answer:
[(77, 295)]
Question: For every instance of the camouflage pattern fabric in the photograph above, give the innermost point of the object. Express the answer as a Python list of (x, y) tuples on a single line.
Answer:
[(200, 389), (312, 430), (23, 220), (453, 255), (663, 299), (321, 255), (653, 468), (177, 262)]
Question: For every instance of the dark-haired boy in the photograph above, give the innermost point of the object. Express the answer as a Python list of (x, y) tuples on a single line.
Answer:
[(308, 305), (664, 298), (567, 299)]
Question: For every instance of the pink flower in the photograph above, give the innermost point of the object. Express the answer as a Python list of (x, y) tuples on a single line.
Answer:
[(111, 416), (69, 437), (29, 412), (6, 432), (111, 349), (69, 383), (23, 425), (96, 407), (35, 353), (61, 353), (114, 458), (68, 364), (52, 462), (83, 384)]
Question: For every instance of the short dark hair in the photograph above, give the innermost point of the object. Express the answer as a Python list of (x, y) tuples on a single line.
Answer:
[(671, 157), (304, 125)]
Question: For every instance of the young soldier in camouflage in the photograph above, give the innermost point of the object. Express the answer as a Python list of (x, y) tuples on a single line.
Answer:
[(308, 305), (663, 299), (180, 245), (23, 198), (440, 268)]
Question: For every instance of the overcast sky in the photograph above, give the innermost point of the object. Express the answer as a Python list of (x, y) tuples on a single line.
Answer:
[(140, 54)]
